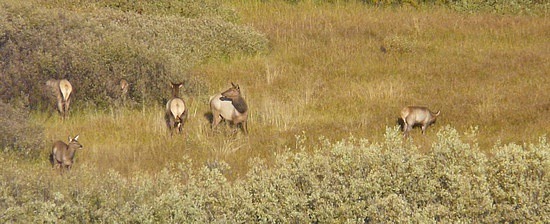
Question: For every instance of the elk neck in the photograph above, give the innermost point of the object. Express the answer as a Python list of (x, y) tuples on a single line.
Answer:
[(176, 92), (239, 104)]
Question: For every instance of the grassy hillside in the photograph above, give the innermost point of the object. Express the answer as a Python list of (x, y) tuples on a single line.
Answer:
[(327, 75), (312, 74), (324, 74)]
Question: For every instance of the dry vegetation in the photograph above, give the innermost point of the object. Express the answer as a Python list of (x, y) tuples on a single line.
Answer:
[(312, 74)]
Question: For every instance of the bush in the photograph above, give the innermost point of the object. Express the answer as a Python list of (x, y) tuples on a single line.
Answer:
[(94, 47), (348, 181), (498, 6), (520, 182), (17, 133)]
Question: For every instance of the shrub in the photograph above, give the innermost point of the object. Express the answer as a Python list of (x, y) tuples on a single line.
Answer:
[(498, 6), (96, 46), (520, 182), (17, 133), (347, 181), (399, 45)]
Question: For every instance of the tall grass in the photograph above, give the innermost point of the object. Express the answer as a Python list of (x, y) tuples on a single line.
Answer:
[(481, 69), (332, 71), (326, 75)]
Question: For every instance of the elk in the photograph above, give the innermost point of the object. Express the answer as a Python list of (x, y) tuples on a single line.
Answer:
[(62, 90), (230, 106), (120, 89), (124, 86), (176, 111), (62, 156), (415, 115)]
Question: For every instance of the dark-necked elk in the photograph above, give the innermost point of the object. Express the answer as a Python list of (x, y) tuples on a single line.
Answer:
[(230, 106), (62, 89), (62, 155), (415, 115), (176, 110)]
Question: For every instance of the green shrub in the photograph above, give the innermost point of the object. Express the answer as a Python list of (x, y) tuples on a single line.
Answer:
[(94, 47), (347, 181), (183, 8), (398, 44), (520, 182), (17, 133), (498, 6)]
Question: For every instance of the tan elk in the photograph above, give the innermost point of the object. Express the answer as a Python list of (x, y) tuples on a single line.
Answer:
[(415, 115), (62, 156), (230, 106), (62, 90), (124, 86), (176, 110), (120, 90)]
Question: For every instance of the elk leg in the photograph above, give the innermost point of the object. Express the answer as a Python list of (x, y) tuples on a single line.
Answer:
[(64, 111), (216, 119), (407, 128), (67, 104), (244, 127), (171, 125), (60, 107), (179, 126)]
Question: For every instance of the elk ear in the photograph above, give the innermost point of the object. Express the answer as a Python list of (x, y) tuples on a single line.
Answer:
[(76, 138), (236, 86), (70, 139)]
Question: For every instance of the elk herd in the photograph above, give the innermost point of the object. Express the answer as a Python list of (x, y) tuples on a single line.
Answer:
[(229, 106)]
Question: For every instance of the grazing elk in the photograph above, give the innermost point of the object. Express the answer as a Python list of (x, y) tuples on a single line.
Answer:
[(63, 154), (62, 90), (415, 115), (176, 111), (230, 106)]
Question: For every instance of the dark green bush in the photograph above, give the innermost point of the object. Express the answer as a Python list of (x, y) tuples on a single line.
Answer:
[(17, 133), (95, 47)]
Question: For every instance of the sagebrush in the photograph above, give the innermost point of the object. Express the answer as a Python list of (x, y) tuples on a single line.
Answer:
[(352, 180)]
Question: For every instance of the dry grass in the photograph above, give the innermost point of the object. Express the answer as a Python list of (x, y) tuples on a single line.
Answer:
[(481, 70), (323, 145), (327, 76)]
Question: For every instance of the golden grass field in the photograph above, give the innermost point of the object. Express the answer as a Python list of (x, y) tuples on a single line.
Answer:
[(326, 75), (325, 82)]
